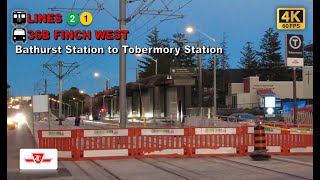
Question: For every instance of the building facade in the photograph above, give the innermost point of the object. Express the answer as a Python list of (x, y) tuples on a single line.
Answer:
[(249, 94), (159, 96)]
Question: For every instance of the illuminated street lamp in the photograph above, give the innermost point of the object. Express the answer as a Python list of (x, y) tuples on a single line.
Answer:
[(81, 104), (191, 30), (97, 74), (81, 92), (155, 60)]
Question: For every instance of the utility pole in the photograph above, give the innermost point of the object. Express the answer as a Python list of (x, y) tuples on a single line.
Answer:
[(215, 80), (143, 8), (122, 89), (60, 76), (60, 89), (199, 43), (45, 87), (107, 84)]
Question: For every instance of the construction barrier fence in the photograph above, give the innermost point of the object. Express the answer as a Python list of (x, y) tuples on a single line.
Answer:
[(83, 144)]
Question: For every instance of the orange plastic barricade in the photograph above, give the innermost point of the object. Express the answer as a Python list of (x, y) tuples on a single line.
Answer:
[(157, 142), (105, 143), (62, 140), (274, 140), (216, 141), (299, 143)]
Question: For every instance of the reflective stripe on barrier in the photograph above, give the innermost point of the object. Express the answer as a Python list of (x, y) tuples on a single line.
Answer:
[(62, 140), (162, 142), (105, 143), (301, 150), (215, 141), (299, 143)]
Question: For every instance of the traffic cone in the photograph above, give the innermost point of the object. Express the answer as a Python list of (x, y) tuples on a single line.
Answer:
[(260, 149)]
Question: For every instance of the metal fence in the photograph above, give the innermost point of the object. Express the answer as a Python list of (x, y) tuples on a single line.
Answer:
[(302, 118)]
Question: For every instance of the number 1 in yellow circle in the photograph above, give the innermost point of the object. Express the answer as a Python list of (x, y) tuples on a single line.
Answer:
[(86, 18)]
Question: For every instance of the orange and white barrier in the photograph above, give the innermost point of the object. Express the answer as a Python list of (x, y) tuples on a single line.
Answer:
[(105, 143), (63, 140), (161, 142), (81, 144), (214, 141)]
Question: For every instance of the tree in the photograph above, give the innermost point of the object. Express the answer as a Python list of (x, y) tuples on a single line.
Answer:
[(224, 57), (223, 60), (271, 62), (183, 59), (147, 66), (248, 62)]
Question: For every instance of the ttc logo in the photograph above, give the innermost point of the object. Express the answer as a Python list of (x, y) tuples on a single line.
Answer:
[(39, 159)]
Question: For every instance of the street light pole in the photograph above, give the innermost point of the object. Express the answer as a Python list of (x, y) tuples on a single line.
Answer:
[(191, 30), (77, 107), (122, 84), (81, 104), (215, 81), (199, 43), (68, 109)]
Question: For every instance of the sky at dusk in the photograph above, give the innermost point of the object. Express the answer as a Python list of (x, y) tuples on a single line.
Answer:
[(241, 21)]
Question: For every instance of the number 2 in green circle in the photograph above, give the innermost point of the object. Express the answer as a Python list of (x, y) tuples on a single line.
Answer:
[(72, 18)]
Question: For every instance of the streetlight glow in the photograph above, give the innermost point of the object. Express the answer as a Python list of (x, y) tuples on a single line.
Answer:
[(138, 55), (189, 30), (81, 92), (96, 74)]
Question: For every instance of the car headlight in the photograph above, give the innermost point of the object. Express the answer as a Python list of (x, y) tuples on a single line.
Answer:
[(20, 118), (10, 121)]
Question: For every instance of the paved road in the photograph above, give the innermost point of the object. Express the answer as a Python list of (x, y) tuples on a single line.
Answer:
[(17, 139)]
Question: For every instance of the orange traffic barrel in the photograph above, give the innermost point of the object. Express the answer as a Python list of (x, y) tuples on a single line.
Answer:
[(259, 138), (260, 149)]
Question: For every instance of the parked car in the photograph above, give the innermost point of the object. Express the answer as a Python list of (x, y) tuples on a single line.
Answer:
[(244, 118)]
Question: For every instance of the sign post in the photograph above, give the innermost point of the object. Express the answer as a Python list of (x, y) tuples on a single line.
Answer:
[(294, 59)]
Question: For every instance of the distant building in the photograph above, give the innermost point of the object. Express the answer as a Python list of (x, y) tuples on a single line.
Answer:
[(250, 93)]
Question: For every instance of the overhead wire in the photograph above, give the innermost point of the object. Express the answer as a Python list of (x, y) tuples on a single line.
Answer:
[(159, 22)]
